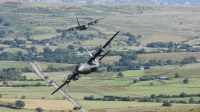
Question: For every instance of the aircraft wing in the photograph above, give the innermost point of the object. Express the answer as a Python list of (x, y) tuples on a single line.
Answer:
[(94, 22), (66, 82), (98, 53), (71, 29)]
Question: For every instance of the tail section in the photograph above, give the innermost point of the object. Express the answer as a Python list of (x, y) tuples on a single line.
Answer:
[(77, 22), (89, 54)]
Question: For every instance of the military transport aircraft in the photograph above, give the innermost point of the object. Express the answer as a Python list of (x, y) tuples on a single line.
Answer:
[(83, 27), (86, 68)]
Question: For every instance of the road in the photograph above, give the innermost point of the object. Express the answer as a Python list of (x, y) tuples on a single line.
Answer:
[(56, 86)]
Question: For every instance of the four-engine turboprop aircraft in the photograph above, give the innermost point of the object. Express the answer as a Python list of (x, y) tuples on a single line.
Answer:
[(83, 27), (91, 66)]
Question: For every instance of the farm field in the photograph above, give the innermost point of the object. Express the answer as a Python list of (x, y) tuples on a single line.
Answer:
[(37, 24), (45, 104), (165, 56), (12, 64), (29, 92)]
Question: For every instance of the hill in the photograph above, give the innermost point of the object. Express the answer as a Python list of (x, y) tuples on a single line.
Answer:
[(158, 2)]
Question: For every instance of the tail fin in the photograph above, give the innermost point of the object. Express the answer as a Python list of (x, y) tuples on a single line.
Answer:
[(77, 22), (104, 55), (89, 53)]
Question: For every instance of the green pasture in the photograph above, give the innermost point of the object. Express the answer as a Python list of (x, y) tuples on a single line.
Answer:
[(29, 92), (133, 73), (12, 64), (57, 77), (159, 71), (28, 82), (126, 87), (4, 109), (14, 50), (5, 46), (170, 71), (185, 99), (44, 65), (110, 59), (159, 24), (42, 37), (100, 75), (40, 48), (31, 76), (180, 108), (179, 56), (115, 104)]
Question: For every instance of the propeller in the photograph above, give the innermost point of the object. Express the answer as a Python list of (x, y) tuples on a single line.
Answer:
[(66, 82)]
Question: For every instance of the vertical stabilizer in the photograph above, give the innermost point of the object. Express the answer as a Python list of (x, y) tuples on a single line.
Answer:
[(89, 54), (77, 22)]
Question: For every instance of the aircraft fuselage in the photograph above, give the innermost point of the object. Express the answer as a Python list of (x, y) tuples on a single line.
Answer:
[(82, 27), (86, 68)]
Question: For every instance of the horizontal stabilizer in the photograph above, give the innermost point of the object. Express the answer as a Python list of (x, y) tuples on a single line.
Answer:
[(104, 55)]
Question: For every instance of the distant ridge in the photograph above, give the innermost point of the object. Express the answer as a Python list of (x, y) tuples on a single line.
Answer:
[(3, 1), (158, 2)]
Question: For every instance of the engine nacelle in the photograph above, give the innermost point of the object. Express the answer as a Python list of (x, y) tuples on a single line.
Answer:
[(76, 77)]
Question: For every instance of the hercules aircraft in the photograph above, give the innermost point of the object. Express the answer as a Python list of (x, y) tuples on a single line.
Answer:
[(91, 66), (83, 27)]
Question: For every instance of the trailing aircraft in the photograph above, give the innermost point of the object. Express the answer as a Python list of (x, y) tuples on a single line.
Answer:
[(83, 27), (91, 66)]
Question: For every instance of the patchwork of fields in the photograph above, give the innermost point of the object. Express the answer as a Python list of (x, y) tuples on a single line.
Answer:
[(152, 23)]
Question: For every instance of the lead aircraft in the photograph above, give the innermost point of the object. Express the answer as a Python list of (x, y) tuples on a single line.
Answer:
[(83, 27), (91, 66)]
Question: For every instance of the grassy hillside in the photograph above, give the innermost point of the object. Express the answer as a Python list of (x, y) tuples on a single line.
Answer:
[(154, 24)]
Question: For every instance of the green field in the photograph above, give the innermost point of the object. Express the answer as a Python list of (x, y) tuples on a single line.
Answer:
[(153, 23), (31, 75), (29, 92), (4, 109), (12, 64)]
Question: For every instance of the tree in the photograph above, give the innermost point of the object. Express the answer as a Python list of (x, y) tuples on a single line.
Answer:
[(46, 77), (176, 75), (63, 35), (135, 80), (23, 97), (1, 20), (183, 95), (47, 50), (33, 49), (10, 31), (2, 34), (120, 74), (38, 84), (39, 109), (5, 83), (1, 48), (151, 83), (186, 81), (58, 30), (166, 103), (0, 95), (153, 96), (158, 99), (81, 49), (7, 24), (191, 100), (19, 104), (70, 47), (76, 108)]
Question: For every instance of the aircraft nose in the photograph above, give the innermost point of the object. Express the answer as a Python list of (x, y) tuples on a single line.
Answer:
[(81, 68)]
